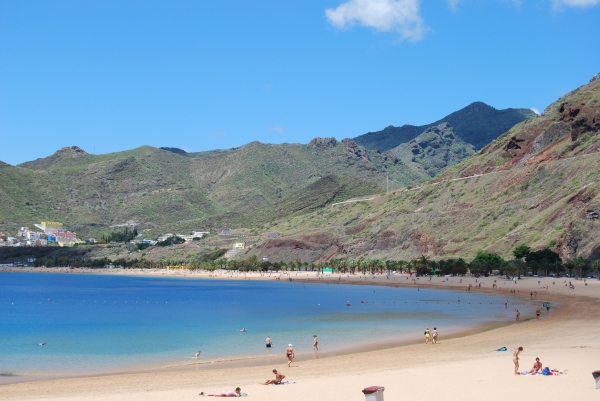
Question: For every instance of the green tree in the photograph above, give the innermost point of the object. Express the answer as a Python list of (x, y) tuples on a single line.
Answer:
[(544, 258), (521, 251)]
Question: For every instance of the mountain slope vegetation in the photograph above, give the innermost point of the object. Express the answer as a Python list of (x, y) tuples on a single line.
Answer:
[(160, 190), (537, 185)]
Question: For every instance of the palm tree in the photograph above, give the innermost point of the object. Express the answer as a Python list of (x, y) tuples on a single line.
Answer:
[(596, 266), (581, 264)]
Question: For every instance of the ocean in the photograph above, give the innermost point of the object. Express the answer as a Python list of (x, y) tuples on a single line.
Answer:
[(102, 323)]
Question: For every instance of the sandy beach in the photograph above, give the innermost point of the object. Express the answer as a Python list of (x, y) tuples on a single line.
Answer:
[(464, 368)]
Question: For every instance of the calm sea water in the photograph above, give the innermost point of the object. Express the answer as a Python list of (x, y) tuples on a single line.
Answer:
[(100, 323)]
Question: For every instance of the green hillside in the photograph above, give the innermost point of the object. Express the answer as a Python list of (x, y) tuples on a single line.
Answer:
[(536, 185), (477, 124), (161, 190)]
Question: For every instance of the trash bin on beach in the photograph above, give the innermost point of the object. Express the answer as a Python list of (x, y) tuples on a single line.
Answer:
[(596, 375), (373, 393)]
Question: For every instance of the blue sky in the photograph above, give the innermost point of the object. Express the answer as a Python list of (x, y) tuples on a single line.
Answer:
[(200, 75)]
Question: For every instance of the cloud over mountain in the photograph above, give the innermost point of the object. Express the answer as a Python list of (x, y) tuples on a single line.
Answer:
[(401, 16)]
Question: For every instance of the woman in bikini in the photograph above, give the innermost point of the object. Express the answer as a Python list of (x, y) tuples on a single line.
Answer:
[(516, 359), (427, 335), (289, 353)]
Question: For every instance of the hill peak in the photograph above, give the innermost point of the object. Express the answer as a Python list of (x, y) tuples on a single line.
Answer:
[(176, 150)]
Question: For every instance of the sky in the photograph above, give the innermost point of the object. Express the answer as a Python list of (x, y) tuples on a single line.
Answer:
[(109, 76)]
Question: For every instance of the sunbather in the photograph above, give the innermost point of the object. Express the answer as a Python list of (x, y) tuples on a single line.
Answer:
[(278, 378), (537, 366), (228, 393)]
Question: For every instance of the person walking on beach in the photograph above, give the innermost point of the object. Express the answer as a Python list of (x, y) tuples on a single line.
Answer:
[(434, 336), (427, 335), (537, 313), (268, 342), (516, 359), (315, 342), (518, 316), (289, 353), (198, 354)]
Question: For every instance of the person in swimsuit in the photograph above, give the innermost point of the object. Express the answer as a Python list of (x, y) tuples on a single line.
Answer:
[(537, 313), (227, 393), (427, 335), (289, 353), (434, 336), (516, 359), (278, 378), (268, 342), (537, 366), (198, 354), (315, 342), (518, 316)]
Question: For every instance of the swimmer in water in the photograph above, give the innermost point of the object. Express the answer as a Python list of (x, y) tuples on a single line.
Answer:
[(243, 329), (198, 354)]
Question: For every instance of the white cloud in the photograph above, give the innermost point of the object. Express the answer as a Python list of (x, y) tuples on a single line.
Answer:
[(558, 4), (453, 4), (277, 128), (536, 111), (401, 16)]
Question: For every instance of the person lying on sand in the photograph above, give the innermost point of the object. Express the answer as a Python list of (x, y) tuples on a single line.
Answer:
[(537, 366), (278, 378), (227, 393)]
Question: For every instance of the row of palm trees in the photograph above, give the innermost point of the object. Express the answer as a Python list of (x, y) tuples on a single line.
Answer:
[(420, 266)]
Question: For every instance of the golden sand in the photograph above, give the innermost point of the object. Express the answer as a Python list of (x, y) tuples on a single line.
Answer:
[(464, 368)]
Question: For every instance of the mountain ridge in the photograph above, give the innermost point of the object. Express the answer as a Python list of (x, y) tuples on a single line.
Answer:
[(467, 123), (536, 185)]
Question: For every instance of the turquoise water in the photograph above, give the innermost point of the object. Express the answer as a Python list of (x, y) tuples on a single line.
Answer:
[(102, 323)]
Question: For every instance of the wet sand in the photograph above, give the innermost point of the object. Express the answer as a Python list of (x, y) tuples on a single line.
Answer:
[(463, 368)]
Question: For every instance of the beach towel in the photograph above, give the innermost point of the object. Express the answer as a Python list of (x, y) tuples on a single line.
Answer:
[(281, 384), (503, 349)]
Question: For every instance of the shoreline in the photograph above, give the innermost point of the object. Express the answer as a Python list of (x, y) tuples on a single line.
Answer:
[(566, 339), (256, 361), (250, 360)]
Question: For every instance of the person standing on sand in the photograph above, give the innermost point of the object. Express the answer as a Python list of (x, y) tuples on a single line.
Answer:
[(518, 316), (289, 353), (434, 336), (427, 335), (315, 342), (537, 313), (516, 359), (268, 342)]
